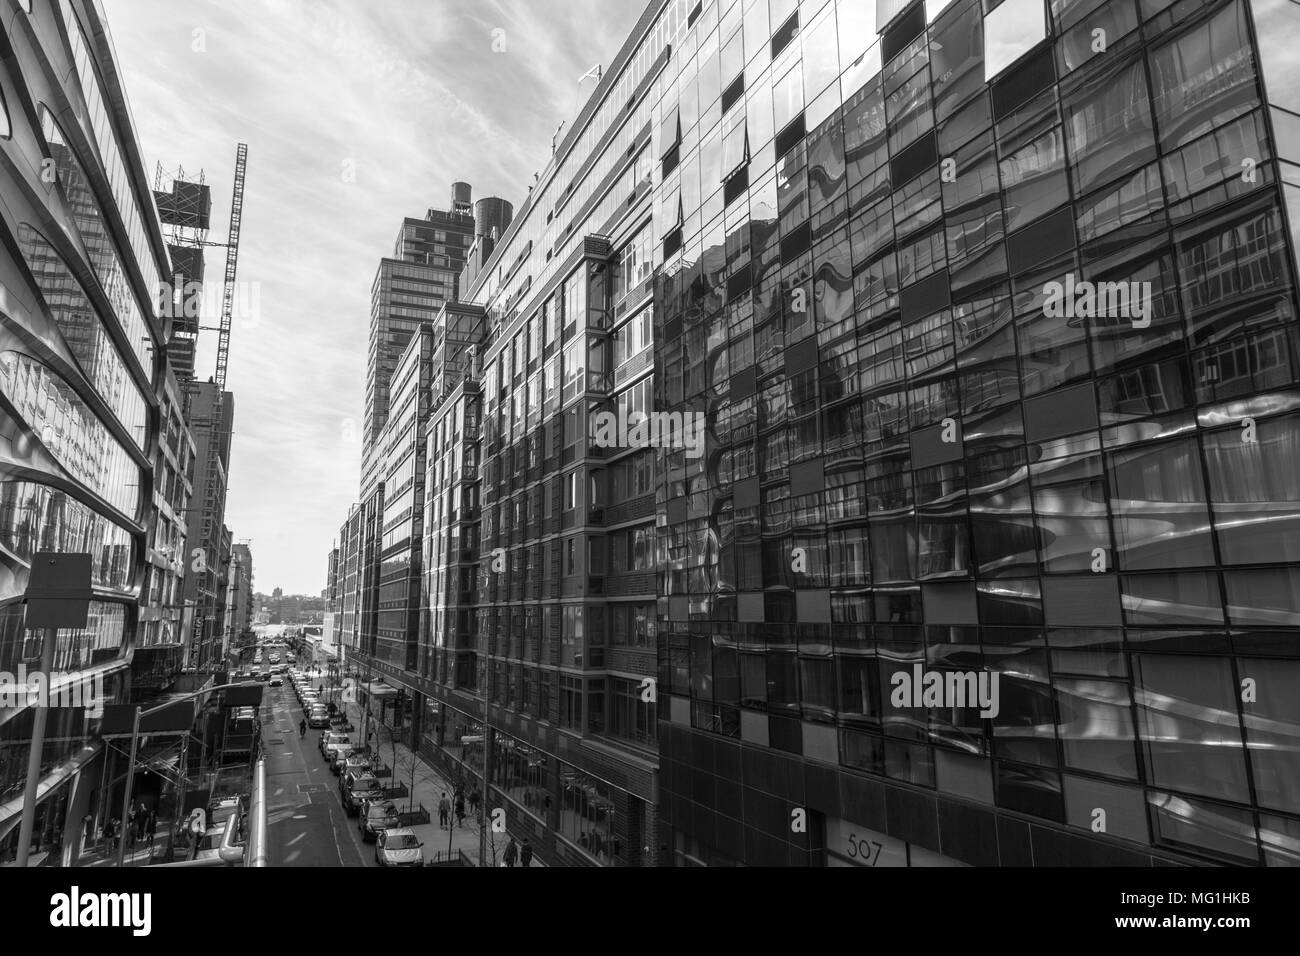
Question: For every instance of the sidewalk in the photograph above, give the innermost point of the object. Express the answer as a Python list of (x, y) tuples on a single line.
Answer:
[(429, 787), (142, 854)]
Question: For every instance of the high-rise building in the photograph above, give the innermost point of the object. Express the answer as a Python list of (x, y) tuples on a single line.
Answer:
[(333, 585), (989, 330), (540, 583), (888, 437), (409, 289), (990, 310), (95, 451), (207, 539), (165, 618), (403, 445), (243, 587)]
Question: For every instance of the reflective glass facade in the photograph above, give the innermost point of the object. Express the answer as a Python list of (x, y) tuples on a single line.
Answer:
[(988, 312), (916, 459), (88, 462)]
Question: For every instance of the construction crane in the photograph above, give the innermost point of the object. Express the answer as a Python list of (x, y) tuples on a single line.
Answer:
[(223, 341), (232, 263)]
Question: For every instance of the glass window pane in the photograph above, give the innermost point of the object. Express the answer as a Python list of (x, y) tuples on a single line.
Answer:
[(1277, 29), (1203, 78), (1188, 720), (1273, 732), (1011, 31), (1161, 520)]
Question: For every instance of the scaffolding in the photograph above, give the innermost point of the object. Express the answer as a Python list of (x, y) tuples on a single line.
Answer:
[(185, 212)]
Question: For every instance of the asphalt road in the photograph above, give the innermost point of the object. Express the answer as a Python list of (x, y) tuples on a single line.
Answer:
[(305, 819)]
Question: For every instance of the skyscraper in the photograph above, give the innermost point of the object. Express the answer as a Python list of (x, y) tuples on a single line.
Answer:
[(409, 289), (992, 311), (207, 539)]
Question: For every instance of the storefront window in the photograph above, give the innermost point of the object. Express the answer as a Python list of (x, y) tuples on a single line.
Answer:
[(587, 814)]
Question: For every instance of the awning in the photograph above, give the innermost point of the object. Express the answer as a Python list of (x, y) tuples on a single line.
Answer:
[(379, 689)]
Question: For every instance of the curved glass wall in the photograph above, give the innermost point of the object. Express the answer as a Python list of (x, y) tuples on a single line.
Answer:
[(114, 167), (35, 517), (95, 234), (99, 642), (1113, 531), (85, 334), (74, 436)]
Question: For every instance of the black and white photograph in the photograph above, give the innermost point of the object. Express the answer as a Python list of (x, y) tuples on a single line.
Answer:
[(747, 434)]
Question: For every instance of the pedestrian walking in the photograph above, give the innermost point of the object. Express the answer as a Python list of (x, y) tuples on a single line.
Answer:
[(151, 826), (475, 798), (443, 810), (141, 820), (526, 853), (302, 728), (512, 852), (460, 810)]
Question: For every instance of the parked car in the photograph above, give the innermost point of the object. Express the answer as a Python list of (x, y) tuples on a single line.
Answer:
[(330, 741), (318, 716), (356, 760), (375, 816), (398, 847), (358, 788), (338, 759)]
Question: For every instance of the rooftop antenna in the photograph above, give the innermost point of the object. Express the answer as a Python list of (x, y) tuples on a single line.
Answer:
[(594, 71)]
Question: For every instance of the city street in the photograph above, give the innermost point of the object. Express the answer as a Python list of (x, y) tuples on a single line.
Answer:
[(305, 820)]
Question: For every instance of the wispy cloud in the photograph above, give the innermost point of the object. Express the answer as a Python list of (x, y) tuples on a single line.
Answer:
[(406, 97)]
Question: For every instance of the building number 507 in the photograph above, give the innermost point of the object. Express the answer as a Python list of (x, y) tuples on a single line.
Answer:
[(861, 850)]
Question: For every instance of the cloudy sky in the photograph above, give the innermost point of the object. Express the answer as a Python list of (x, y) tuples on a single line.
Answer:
[(356, 113)]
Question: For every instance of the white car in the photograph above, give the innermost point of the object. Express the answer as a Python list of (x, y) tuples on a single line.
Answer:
[(398, 847), (331, 740)]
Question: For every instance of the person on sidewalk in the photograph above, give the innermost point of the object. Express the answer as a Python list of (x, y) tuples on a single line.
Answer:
[(460, 809), (141, 820), (151, 826), (475, 798), (444, 809), (526, 854), (512, 851)]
